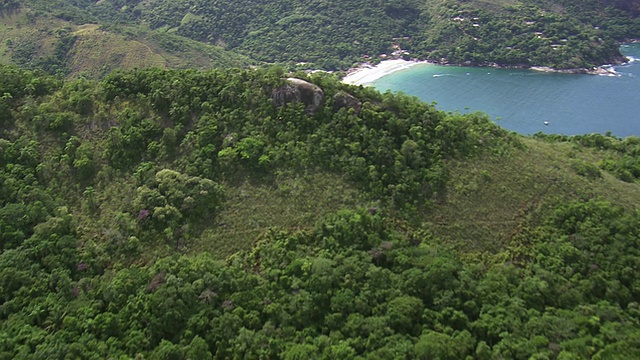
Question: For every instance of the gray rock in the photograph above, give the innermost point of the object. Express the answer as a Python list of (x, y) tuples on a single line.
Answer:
[(297, 90), (345, 100)]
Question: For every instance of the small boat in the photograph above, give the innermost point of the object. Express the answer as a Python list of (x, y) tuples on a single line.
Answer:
[(546, 123)]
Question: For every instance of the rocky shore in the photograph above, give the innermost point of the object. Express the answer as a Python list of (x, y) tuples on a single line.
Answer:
[(604, 70)]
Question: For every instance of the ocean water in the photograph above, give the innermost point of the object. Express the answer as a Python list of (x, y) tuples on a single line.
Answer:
[(528, 101)]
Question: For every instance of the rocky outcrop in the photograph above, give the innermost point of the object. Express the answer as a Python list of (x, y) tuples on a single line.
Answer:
[(297, 90), (345, 100), (606, 70)]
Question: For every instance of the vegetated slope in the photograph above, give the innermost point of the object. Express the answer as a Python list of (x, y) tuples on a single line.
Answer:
[(489, 200), (335, 34), (357, 219), (35, 40), (331, 35)]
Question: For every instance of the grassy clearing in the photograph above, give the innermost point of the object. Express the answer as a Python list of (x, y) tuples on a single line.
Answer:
[(8, 22), (291, 201), (487, 206), (96, 52), (17, 31), (489, 199), (252, 207), (141, 48)]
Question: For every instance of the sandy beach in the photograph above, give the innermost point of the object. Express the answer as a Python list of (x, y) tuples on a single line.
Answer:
[(367, 74)]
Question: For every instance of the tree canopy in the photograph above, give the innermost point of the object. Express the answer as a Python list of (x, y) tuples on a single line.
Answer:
[(118, 201), (331, 35)]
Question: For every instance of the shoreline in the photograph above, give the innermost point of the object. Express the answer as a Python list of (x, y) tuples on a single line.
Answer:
[(366, 74), (603, 70)]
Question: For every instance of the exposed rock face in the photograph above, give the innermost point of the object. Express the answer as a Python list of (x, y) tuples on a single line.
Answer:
[(298, 90), (345, 100)]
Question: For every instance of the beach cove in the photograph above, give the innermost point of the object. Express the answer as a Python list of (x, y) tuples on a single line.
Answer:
[(522, 100), (367, 74)]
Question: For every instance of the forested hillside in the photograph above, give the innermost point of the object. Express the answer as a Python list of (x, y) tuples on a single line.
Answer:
[(331, 35), (81, 46), (184, 214)]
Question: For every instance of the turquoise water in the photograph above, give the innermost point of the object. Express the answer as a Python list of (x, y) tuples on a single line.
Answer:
[(523, 100)]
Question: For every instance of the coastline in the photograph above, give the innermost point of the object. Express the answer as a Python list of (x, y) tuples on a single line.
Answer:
[(366, 74), (603, 70)]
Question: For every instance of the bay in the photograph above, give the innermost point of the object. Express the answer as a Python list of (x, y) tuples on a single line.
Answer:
[(524, 100)]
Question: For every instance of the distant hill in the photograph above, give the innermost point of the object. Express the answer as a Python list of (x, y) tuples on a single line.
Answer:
[(35, 39), (332, 35)]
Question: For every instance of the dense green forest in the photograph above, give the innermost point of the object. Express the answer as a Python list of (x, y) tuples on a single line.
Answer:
[(330, 35), (184, 214), (194, 207)]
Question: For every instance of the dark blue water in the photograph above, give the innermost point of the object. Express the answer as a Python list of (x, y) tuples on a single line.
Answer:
[(523, 100)]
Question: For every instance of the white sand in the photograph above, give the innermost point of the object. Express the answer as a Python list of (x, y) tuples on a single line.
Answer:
[(368, 74)]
